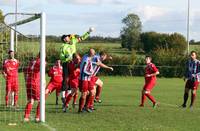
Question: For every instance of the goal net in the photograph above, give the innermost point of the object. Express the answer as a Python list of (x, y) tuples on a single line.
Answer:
[(26, 37)]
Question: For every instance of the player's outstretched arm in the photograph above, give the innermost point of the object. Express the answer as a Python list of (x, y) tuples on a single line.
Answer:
[(104, 66), (86, 35)]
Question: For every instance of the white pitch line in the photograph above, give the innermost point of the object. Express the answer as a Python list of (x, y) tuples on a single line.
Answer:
[(176, 105), (49, 127), (168, 104)]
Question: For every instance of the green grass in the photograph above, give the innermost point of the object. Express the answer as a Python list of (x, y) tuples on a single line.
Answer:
[(119, 110)]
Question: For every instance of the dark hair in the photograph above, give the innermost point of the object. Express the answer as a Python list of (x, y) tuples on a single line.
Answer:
[(102, 53), (63, 37), (148, 56), (75, 54), (10, 51), (193, 52)]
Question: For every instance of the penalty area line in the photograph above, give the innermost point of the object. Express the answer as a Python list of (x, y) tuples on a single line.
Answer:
[(49, 127), (161, 103)]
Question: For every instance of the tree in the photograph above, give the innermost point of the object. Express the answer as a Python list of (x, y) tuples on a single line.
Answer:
[(152, 41), (130, 33), (1, 16)]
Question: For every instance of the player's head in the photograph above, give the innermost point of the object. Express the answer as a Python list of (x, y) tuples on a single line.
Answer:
[(65, 38), (193, 55), (76, 58), (11, 54), (91, 52), (103, 55), (148, 59), (58, 62)]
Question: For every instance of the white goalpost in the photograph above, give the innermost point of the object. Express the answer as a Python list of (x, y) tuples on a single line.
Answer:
[(42, 35)]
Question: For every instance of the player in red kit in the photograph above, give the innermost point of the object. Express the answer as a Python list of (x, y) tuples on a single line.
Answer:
[(10, 73), (33, 88), (150, 80), (56, 80), (74, 73)]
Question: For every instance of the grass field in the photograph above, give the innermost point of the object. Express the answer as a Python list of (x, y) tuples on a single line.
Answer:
[(119, 110)]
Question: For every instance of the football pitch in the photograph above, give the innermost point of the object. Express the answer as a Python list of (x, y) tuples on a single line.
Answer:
[(119, 110)]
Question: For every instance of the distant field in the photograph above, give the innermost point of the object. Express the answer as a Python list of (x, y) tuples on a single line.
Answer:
[(111, 48)]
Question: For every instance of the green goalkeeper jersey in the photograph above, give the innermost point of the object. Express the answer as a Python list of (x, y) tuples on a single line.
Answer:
[(68, 49)]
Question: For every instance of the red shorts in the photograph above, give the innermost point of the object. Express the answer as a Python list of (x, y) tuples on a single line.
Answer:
[(33, 91), (192, 85), (12, 85), (149, 85), (54, 86), (86, 85), (94, 79), (74, 83)]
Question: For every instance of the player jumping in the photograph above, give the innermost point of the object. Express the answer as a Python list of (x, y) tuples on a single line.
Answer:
[(192, 78), (98, 58), (10, 73), (150, 80), (68, 48), (74, 67)]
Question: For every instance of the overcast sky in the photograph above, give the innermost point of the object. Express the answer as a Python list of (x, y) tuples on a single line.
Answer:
[(76, 16)]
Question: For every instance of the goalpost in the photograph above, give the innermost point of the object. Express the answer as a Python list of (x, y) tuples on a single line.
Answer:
[(42, 17)]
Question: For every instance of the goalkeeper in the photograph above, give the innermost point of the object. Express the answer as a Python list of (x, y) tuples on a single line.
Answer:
[(67, 50)]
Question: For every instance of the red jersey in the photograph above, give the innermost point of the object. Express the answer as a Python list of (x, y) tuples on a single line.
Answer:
[(33, 72), (10, 68), (74, 70), (56, 74), (150, 69)]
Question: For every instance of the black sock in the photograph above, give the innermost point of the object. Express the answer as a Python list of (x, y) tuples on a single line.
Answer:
[(185, 98)]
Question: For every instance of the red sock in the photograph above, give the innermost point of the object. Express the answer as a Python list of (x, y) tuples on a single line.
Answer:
[(193, 98), (69, 97), (87, 100), (6, 98), (75, 98), (15, 99), (28, 110), (143, 98), (38, 111), (81, 103), (66, 94), (151, 98), (91, 102), (99, 90)]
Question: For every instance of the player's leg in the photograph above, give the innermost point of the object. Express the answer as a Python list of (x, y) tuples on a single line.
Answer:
[(99, 84), (148, 88), (69, 97), (64, 82), (50, 88), (57, 94), (186, 93), (28, 109), (16, 92), (193, 93), (8, 92), (37, 116), (84, 92), (90, 105), (143, 98), (151, 98), (92, 92), (75, 97)]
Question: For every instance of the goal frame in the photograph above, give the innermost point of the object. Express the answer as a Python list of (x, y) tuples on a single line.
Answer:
[(42, 17)]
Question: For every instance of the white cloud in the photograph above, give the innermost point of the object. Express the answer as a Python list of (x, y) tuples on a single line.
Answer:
[(150, 12), (7, 2)]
